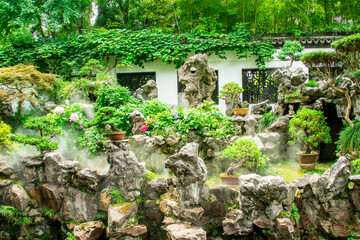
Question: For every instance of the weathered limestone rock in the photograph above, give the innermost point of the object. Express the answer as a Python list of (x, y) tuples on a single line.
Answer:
[(184, 232), (250, 125), (89, 230), (155, 188), (261, 108), (199, 79), (332, 182), (32, 169), (131, 231), (224, 194), (260, 197), (280, 125), (298, 77), (138, 120), (88, 179), (6, 170), (126, 172), (172, 208), (191, 172), (79, 206), (147, 92), (17, 197), (118, 215), (49, 196)]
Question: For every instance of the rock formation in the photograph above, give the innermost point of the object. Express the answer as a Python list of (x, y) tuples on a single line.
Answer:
[(138, 120), (126, 172), (147, 92), (191, 172), (199, 79)]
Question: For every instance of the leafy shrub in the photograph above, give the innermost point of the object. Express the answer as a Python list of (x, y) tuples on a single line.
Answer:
[(349, 138), (153, 107), (231, 91), (113, 96), (266, 120), (311, 83), (5, 142), (310, 128), (291, 50), (245, 153), (356, 164)]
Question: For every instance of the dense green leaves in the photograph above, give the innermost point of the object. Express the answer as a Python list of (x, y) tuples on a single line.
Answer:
[(131, 48), (310, 128), (349, 138)]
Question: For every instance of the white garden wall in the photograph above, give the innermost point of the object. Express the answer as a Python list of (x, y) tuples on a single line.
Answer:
[(229, 70)]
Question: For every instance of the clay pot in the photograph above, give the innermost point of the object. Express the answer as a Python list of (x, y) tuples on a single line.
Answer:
[(229, 180), (116, 136), (241, 111), (307, 161)]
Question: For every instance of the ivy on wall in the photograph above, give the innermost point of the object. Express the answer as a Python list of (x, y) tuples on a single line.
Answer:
[(129, 48)]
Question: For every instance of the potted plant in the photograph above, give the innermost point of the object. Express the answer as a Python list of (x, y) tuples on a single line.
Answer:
[(243, 152), (231, 94), (309, 128), (116, 135)]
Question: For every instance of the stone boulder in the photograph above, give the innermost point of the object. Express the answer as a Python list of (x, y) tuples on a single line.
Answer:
[(126, 172), (191, 172), (138, 120), (147, 92), (199, 79), (17, 197), (261, 108), (89, 230), (79, 206), (88, 179), (172, 208), (184, 232), (118, 215)]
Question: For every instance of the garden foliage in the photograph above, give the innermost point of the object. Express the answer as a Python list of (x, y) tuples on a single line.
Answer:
[(349, 138), (310, 128), (231, 92), (5, 142), (244, 152)]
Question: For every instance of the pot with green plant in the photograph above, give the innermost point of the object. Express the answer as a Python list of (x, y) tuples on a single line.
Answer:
[(230, 92), (309, 128), (242, 153)]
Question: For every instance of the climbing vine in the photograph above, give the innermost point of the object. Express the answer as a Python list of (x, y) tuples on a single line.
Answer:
[(125, 47)]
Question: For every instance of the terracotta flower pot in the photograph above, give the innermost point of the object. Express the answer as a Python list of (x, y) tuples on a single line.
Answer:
[(307, 161), (241, 111), (229, 180), (116, 136)]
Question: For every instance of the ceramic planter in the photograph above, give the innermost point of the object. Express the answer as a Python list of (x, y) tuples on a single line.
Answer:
[(229, 180), (116, 136), (241, 111), (307, 161)]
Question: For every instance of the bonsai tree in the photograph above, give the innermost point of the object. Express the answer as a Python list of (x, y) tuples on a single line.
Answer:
[(244, 152), (291, 51), (47, 128), (231, 92), (309, 128), (23, 82)]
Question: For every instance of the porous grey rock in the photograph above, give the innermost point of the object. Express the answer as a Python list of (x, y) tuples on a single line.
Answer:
[(17, 197), (224, 194), (303, 181), (126, 172), (199, 79), (138, 120), (298, 77), (147, 91), (260, 197), (250, 125), (184, 232), (172, 208), (117, 216), (355, 179), (173, 139), (6, 169), (49, 196), (155, 188), (261, 108), (79, 206), (191, 172), (280, 125), (88, 179), (131, 232), (332, 182), (89, 230), (49, 106)]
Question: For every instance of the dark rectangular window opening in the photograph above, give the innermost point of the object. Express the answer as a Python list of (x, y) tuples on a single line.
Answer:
[(259, 85), (134, 80)]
